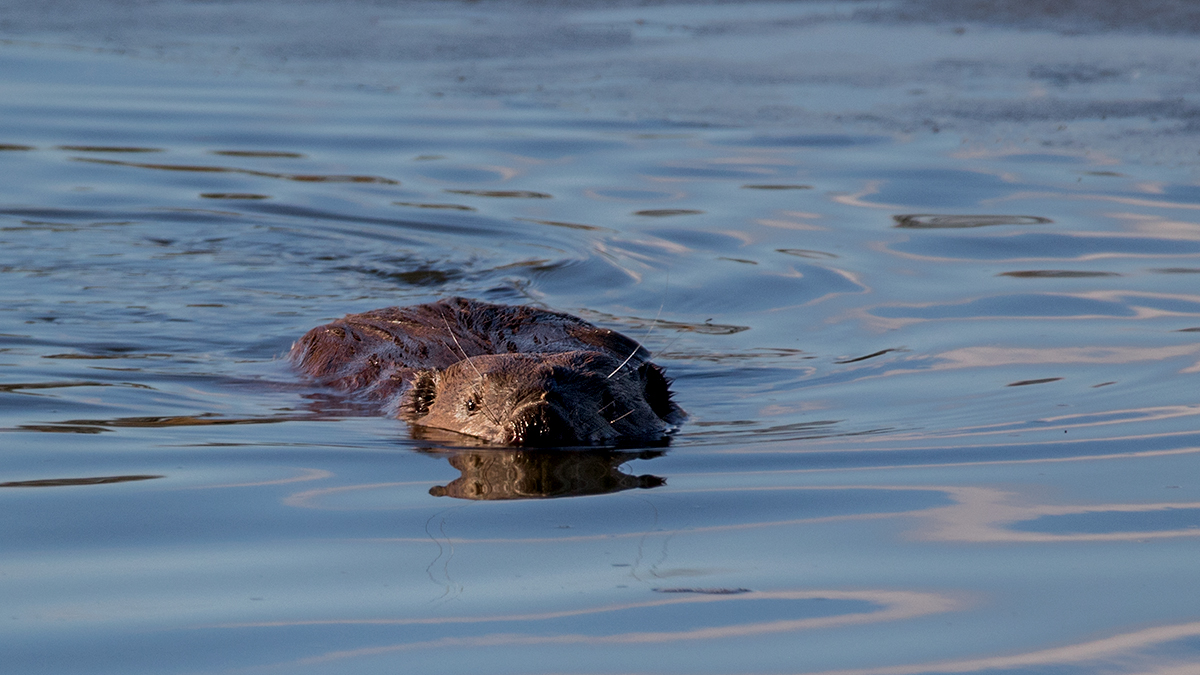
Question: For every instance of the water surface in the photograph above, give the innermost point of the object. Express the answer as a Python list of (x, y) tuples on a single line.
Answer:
[(939, 355)]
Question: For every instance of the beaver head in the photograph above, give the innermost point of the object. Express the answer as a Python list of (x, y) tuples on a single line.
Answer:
[(569, 398)]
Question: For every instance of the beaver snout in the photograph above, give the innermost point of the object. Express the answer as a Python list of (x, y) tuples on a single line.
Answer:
[(540, 424)]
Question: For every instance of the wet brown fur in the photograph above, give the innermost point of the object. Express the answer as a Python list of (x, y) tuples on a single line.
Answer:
[(513, 375)]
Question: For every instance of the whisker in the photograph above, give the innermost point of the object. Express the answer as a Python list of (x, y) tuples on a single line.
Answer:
[(668, 345), (614, 421), (635, 349)]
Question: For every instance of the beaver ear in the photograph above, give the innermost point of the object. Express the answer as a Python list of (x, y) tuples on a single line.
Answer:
[(421, 393), (656, 387)]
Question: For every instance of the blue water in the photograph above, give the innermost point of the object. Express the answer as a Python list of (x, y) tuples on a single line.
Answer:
[(926, 287)]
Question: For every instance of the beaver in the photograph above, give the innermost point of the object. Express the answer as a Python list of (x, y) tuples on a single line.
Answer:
[(508, 374)]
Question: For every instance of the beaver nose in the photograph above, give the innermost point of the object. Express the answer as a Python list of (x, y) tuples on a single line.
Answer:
[(539, 424)]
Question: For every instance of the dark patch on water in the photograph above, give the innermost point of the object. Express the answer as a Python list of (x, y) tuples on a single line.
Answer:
[(666, 213), (640, 323), (503, 194), (868, 356), (1044, 380), (423, 276), (200, 420), (932, 222), (71, 482), (120, 352), (106, 148), (428, 205), (258, 153), (569, 226), (1057, 274), (733, 357), (807, 253), (15, 387), (195, 168), (59, 429)]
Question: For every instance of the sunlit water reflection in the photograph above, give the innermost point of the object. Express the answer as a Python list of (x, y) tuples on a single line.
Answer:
[(941, 393)]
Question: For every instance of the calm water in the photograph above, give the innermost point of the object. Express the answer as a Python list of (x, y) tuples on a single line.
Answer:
[(933, 314)]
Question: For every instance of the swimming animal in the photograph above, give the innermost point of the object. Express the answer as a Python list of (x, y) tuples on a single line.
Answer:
[(510, 375)]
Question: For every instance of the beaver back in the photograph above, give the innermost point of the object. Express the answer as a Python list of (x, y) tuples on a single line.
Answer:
[(363, 352)]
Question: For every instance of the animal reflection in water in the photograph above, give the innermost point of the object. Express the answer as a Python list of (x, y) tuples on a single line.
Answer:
[(497, 474), (510, 375)]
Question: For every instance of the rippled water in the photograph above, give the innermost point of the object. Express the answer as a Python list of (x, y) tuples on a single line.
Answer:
[(941, 384)]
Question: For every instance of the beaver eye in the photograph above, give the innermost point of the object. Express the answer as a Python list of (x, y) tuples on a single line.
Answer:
[(472, 404)]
